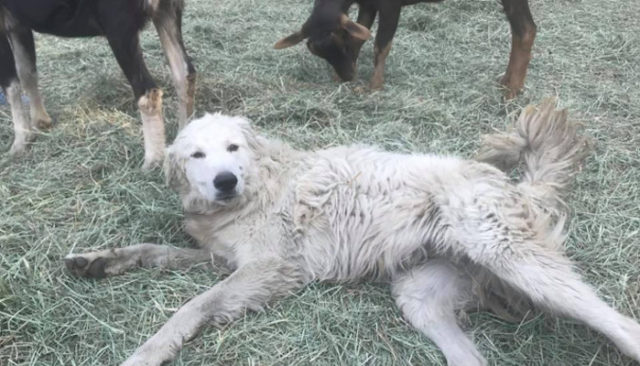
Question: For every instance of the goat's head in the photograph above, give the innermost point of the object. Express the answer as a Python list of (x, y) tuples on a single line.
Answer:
[(332, 36)]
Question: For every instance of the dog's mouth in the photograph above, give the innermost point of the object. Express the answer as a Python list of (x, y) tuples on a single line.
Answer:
[(226, 196)]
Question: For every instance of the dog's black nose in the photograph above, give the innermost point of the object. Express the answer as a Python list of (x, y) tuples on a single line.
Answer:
[(225, 181)]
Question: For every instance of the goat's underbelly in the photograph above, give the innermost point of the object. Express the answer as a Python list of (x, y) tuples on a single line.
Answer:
[(75, 18), (70, 18), (76, 28)]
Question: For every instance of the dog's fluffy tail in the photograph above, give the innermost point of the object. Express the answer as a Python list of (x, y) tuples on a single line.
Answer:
[(549, 148), (548, 144)]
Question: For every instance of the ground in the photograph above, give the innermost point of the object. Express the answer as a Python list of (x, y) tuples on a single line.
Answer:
[(81, 187)]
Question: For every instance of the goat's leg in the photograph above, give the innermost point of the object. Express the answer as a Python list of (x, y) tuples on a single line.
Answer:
[(389, 14), (366, 16), (11, 86), (250, 287), (428, 297), (24, 51), (523, 32), (167, 19), (126, 47), (111, 262)]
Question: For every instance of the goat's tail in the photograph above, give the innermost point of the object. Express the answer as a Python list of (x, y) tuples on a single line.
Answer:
[(550, 146)]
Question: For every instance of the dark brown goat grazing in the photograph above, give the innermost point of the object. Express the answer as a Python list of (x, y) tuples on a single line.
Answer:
[(332, 36), (120, 21)]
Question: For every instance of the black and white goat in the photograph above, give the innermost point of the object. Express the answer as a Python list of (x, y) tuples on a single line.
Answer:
[(120, 21)]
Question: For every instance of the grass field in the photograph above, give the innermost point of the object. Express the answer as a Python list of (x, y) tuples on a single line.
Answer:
[(81, 187)]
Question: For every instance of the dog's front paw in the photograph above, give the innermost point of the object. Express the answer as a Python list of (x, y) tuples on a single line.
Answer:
[(629, 342), (87, 265), (140, 359), (149, 356)]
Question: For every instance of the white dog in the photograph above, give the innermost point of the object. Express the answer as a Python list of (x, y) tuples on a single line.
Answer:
[(449, 234)]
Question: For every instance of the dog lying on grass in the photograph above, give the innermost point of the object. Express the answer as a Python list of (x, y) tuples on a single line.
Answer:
[(449, 234)]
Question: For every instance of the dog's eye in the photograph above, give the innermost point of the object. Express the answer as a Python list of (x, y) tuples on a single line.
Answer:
[(232, 148), (197, 155)]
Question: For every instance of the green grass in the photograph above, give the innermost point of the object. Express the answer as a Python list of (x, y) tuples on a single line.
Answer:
[(80, 187)]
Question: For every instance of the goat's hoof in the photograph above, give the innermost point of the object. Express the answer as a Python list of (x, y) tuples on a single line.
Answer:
[(374, 85), (511, 89), (511, 92), (43, 124), (18, 149), (377, 81), (359, 89)]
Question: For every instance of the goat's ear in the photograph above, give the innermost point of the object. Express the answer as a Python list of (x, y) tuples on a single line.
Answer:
[(174, 172), (358, 31), (291, 40)]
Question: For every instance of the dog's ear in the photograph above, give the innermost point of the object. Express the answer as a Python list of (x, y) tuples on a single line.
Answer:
[(174, 172), (291, 40), (254, 142)]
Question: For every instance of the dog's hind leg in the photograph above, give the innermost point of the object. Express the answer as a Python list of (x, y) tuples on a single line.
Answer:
[(117, 261), (523, 259), (167, 18), (24, 51), (429, 296)]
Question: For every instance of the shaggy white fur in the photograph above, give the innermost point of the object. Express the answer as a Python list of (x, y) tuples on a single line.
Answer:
[(448, 233)]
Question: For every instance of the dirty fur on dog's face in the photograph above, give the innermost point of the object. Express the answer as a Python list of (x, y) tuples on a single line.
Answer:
[(209, 158)]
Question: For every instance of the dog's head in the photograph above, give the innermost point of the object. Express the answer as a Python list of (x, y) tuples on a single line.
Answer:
[(210, 159)]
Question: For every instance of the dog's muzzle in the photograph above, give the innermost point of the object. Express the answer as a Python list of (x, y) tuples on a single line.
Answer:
[(225, 183)]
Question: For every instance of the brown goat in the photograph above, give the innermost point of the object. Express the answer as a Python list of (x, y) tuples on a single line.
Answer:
[(332, 36)]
